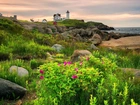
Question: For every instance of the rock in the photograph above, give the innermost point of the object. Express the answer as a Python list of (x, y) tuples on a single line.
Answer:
[(10, 90), (134, 72), (65, 35), (104, 27), (83, 32), (104, 35), (53, 28), (79, 53), (57, 47), (48, 30), (79, 38), (19, 71), (93, 47), (137, 74), (96, 39), (115, 35), (61, 29), (49, 56), (19, 102), (89, 32), (76, 31)]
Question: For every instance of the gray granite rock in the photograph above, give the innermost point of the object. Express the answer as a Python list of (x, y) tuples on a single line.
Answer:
[(20, 71), (57, 47), (10, 90)]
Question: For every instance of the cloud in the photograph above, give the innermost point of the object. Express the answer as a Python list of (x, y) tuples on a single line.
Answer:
[(109, 11)]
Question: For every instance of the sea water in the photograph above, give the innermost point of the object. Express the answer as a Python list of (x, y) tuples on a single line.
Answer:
[(129, 30)]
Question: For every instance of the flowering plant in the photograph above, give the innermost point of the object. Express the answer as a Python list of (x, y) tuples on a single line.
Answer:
[(71, 84)]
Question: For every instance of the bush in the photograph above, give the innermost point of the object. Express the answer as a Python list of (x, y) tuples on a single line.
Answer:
[(74, 84), (10, 26)]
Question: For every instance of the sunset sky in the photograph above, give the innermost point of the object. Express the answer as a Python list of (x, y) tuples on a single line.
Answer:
[(116, 13)]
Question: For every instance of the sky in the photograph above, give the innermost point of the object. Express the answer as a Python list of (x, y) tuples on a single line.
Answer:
[(115, 13)]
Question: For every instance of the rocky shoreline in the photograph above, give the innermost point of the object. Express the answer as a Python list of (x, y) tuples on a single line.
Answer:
[(96, 35)]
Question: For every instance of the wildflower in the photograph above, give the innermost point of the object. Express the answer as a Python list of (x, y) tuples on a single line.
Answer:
[(41, 77), (81, 63), (58, 64), (76, 69), (68, 63), (41, 71), (65, 63), (74, 77), (87, 58)]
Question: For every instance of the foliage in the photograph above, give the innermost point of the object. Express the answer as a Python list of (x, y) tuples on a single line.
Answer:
[(70, 22), (95, 81), (77, 84), (5, 74), (78, 23), (10, 26)]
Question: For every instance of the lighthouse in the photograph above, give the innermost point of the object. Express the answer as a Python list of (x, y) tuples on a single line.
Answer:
[(67, 14)]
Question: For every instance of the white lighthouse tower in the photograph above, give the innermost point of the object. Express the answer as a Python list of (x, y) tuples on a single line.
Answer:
[(67, 15)]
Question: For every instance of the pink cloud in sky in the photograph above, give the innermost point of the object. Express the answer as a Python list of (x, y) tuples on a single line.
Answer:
[(110, 12)]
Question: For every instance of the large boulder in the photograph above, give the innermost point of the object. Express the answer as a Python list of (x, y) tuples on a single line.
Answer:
[(77, 54), (10, 90), (96, 39), (57, 47), (20, 71)]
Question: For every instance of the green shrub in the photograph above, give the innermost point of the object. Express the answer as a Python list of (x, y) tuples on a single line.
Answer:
[(10, 26), (4, 52), (4, 69), (74, 84)]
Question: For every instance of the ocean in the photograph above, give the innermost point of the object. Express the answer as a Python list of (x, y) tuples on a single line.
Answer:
[(126, 30)]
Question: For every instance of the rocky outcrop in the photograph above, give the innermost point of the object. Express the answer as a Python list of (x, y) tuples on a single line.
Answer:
[(10, 90), (98, 25), (115, 35), (126, 43)]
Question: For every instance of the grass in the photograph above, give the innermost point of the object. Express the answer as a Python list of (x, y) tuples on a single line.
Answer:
[(100, 80), (75, 23)]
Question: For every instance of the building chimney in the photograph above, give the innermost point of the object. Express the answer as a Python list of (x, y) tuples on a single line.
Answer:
[(15, 17)]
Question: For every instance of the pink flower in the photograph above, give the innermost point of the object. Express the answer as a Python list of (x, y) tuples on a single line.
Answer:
[(41, 77), (87, 59), (41, 71), (59, 64), (65, 63), (81, 63), (68, 63), (74, 76), (76, 69)]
